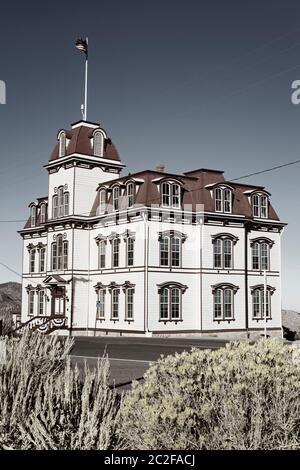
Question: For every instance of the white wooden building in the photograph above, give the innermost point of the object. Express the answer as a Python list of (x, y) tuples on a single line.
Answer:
[(149, 253)]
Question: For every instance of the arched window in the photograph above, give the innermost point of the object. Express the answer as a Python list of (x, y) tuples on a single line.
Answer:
[(60, 203), (261, 302), (116, 198), (31, 302), (130, 251), (102, 202), (61, 200), (98, 144), (62, 144), (115, 252), (170, 248), (32, 260), (41, 302), (223, 305), (115, 303), (260, 204), (129, 303), (55, 207), (59, 254), (42, 259), (43, 214), (223, 200), (130, 192), (102, 253), (261, 254), (170, 301), (223, 250), (66, 203), (33, 216), (171, 195), (101, 304)]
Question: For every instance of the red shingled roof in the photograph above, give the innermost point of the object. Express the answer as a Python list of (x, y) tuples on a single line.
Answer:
[(80, 142)]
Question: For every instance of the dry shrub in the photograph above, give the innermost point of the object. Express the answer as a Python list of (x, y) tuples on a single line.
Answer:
[(71, 413), (45, 404), (29, 360), (239, 397)]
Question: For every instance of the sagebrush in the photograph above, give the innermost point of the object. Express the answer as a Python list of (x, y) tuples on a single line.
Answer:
[(239, 397)]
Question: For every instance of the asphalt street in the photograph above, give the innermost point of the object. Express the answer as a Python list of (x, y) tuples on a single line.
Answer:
[(130, 357)]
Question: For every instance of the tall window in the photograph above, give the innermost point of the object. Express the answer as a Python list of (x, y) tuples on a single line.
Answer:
[(164, 304), (102, 253), (116, 198), (170, 195), (60, 203), (260, 256), (223, 200), (101, 304), (170, 300), (129, 295), (41, 302), (130, 251), (259, 301), (130, 190), (31, 302), (260, 204), (170, 246), (59, 254), (43, 214), (42, 259), (115, 304), (66, 203), (102, 205), (175, 251), (55, 206), (33, 216), (164, 251), (223, 251), (32, 260), (62, 144), (115, 252), (98, 144), (223, 308)]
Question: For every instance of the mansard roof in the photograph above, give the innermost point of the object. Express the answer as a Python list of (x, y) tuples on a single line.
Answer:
[(197, 188), (79, 141)]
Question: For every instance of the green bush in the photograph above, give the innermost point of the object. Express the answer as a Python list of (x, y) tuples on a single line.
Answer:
[(239, 397), (45, 404)]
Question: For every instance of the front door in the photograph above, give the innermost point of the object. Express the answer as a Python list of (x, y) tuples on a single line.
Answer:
[(58, 301)]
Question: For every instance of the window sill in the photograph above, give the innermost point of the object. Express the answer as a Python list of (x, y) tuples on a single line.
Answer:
[(165, 321), (219, 320), (261, 319)]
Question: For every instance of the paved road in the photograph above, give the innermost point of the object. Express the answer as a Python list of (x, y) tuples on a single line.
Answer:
[(130, 357)]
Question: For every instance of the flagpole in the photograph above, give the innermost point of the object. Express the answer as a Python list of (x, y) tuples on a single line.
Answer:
[(265, 302), (86, 82)]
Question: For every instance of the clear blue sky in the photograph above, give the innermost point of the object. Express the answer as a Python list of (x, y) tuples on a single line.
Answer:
[(189, 84)]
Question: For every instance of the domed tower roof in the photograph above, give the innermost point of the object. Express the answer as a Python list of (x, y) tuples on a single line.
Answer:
[(79, 139)]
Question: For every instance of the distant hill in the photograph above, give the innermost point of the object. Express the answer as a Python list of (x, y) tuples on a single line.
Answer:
[(10, 298)]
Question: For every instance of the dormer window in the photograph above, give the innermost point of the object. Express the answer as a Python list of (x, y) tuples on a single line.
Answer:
[(33, 216), (43, 214), (223, 200), (98, 144), (171, 193), (130, 191), (102, 202), (116, 198), (62, 144), (260, 205)]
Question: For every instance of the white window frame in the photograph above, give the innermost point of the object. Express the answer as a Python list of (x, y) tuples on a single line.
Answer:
[(62, 144), (129, 304), (223, 200), (171, 195), (102, 254), (130, 193), (33, 216), (31, 303), (130, 244), (102, 201), (220, 300), (42, 259), (43, 213), (115, 303), (116, 198), (115, 251), (101, 294), (261, 296), (260, 205), (98, 144), (41, 302)]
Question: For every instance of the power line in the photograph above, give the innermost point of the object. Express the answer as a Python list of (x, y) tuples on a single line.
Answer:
[(198, 188)]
